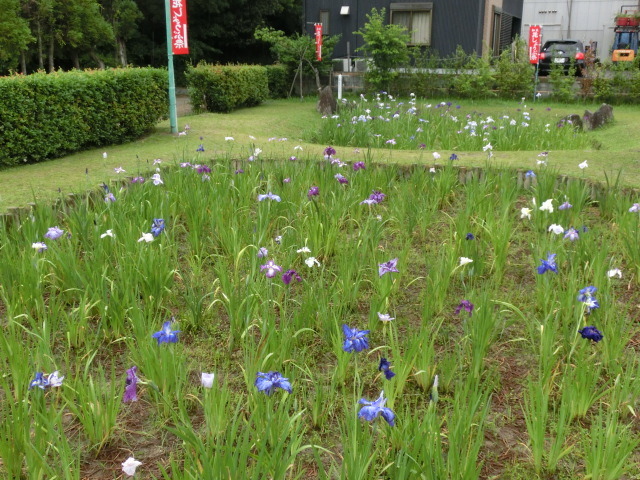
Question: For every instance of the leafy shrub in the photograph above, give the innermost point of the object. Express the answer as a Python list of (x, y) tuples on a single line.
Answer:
[(223, 88), (48, 115), (563, 83), (475, 79), (514, 73), (279, 81)]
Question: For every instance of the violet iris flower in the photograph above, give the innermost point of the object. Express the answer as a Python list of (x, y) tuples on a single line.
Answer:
[(39, 381), (565, 206), (203, 169), (371, 410), (131, 386), (591, 333), (166, 335), (268, 382), (137, 180), (572, 234), (290, 275), (157, 227), (313, 192), (385, 367), (200, 148), (358, 166), (469, 236), (271, 269), (464, 305), (453, 157), (341, 178), (355, 340), (388, 267), (586, 296), (54, 233), (262, 252), (329, 151), (548, 265)]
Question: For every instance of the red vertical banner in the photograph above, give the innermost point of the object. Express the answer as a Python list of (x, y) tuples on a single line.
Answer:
[(535, 40), (179, 42), (318, 34)]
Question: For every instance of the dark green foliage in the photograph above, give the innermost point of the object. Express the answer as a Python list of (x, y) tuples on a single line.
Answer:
[(475, 79), (279, 81), (48, 115), (514, 73), (223, 88), (563, 83)]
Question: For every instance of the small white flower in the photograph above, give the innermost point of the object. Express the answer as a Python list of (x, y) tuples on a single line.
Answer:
[(379, 218), (556, 229), (108, 233), (614, 272), (583, 165), (157, 161), (156, 179), (432, 170), (146, 237), (104, 154), (385, 317), (228, 139), (525, 212), (436, 155), (207, 379), (304, 250), (39, 246), (547, 205), (120, 170), (278, 239), (182, 134), (129, 466), (297, 147), (311, 261), (464, 261), (488, 146), (257, 152), (54, 379), (541, 162), (252, 137)]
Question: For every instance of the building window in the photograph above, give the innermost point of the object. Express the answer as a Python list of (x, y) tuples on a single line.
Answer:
[(416, 17), (324, 20), (495, 34)]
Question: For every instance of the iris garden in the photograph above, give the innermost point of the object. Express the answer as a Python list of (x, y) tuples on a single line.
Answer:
[(325, 316)]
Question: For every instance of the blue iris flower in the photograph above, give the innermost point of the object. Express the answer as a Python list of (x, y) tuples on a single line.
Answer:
[(39, 381), (591, 333), (166, 335), (586, 295), (157, 227), (356, 340), (548, 265), (268, 382), (385, 367), (371, 410)]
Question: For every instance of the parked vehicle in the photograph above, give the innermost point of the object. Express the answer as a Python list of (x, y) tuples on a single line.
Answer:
[(625, 40), (567, 53)]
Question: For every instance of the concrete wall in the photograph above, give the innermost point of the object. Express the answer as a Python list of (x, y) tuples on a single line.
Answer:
[(585, 20)]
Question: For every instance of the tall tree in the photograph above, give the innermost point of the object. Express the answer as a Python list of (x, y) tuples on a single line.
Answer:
[(124, 16), (15, 34)]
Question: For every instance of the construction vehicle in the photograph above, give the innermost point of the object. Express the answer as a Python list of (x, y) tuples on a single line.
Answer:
[(625, 40)]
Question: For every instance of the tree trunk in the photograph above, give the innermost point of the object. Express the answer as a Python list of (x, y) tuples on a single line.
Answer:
[(52, 46), (122, 51), (40, 50), (97, 59), (23, 62), (317, 73), (76, 59)]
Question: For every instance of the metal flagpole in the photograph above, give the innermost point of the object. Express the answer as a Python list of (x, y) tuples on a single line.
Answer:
[(173, 114)]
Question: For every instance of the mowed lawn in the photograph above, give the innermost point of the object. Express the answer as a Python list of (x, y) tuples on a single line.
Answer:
[(277, 126)]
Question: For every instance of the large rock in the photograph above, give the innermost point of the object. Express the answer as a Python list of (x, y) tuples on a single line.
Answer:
[(327, 104), (574, 120), (598, 118)]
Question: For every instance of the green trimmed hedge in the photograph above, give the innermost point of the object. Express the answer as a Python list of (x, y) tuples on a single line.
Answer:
[(223, 88), (279, 81), (48, 115)]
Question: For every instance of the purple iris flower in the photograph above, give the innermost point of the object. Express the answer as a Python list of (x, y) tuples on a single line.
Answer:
[(239, 171), (586, 296), (271, 269), (203, 168), (200, 148), (157, 227), (329, 151), (109, 198), (469, 236), (548, 265), (385, 367), (371, 410), (313, 192), (268, 196), (355, 340), (453, 157), (54, 233), (131, 386), (289, 275), (591, 333), (464, 305), (39, 381), (166, 335), (287, 180), (293, 158), (388, 267), (262, 252), (268, 382), (137, 180), (341, 178), (565, 206), (572, 234), (358, 166)]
